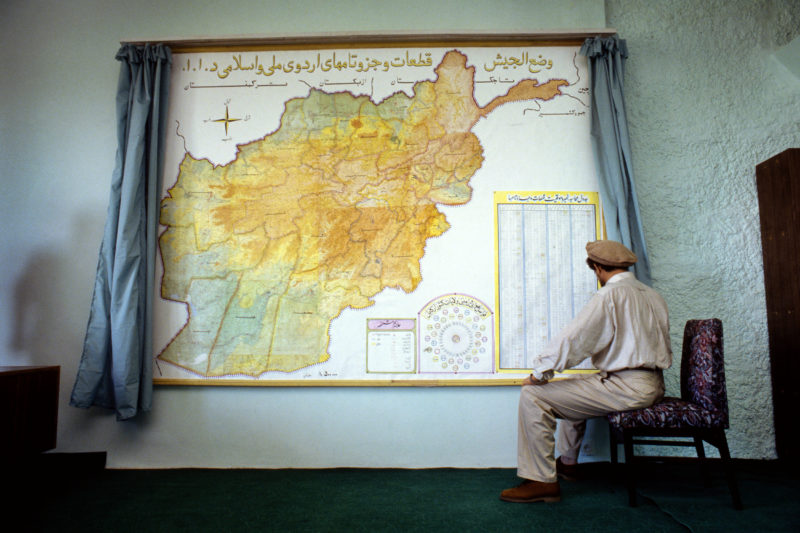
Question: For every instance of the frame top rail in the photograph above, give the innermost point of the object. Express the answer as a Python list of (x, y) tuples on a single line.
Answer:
[(554, 37)]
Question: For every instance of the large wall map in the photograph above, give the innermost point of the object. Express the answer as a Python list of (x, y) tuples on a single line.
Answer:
[(316, 202)]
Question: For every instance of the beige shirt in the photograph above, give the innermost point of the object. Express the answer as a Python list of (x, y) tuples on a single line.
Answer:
[(624, 325)]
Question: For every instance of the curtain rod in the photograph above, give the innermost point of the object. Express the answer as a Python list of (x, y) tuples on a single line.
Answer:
[(555, 36)]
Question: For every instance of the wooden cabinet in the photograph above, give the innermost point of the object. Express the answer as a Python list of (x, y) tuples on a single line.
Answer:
[(28, 409), (778, 183)]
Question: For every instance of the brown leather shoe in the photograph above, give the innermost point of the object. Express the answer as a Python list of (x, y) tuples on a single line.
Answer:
[(530, 491), (567, 472)]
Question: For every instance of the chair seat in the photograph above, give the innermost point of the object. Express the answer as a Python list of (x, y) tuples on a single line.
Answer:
[(669, 413), (701, 413)]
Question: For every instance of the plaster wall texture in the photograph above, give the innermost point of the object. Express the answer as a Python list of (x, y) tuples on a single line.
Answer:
[(706, 102)]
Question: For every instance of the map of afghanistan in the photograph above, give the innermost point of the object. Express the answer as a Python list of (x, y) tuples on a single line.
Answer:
[(320, 215)]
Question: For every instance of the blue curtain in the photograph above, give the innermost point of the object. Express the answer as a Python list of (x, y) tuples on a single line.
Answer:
[(612, 147), (115, 371)]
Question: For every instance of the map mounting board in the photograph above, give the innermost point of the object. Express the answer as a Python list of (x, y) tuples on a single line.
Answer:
[(311, 194)]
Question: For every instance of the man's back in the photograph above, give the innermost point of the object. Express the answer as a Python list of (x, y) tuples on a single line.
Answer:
[(624, 325), (640, 322)]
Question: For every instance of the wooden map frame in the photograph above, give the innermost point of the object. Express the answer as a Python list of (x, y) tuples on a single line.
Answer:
[(355, 41)]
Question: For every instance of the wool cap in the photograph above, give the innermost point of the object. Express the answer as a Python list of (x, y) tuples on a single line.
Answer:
[(610, 253)]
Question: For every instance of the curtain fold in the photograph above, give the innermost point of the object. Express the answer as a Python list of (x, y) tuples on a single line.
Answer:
[(115, 371), (612, 149)]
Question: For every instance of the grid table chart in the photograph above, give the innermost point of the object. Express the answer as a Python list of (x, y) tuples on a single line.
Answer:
[(542, 278)]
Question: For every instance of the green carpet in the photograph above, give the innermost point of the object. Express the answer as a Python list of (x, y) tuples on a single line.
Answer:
[(672, 498)]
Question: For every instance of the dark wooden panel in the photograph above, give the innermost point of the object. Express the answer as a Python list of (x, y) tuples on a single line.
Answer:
[(28, 409), (778, 184)]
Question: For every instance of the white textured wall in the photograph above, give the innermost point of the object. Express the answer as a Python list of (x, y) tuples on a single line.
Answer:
[(706, 102)]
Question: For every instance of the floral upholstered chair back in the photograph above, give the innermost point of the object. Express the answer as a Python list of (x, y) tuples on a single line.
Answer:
[(703, 370)]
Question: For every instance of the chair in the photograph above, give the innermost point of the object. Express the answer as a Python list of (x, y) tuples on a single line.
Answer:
[(701, 413)]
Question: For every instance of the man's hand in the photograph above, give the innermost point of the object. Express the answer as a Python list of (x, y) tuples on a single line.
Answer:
[(530, 380)]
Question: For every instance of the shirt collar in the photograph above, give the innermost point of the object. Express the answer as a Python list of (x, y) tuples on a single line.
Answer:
[(620, 277)]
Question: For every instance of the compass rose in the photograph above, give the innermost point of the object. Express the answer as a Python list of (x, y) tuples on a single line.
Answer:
[(227, 120)]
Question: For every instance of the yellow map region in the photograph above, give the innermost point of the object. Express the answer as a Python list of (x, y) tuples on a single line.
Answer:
[(320, 215)]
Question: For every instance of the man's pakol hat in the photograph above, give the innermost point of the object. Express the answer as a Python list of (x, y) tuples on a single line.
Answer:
[(610, 253)]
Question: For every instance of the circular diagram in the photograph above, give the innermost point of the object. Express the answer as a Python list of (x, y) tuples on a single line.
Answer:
[(456, 335)]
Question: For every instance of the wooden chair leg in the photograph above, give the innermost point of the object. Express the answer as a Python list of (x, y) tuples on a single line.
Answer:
[(612, 445), (725, 454), (701, 456), (629, 468)]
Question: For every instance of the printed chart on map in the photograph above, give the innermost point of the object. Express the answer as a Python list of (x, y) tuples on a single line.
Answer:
[(391, 346), (327, 214), (457, 336), (542, 277)]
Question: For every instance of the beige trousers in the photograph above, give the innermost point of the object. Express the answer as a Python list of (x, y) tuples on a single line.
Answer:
[(574, 401)]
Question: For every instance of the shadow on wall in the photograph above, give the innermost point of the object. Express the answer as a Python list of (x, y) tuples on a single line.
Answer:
[(52, 297)]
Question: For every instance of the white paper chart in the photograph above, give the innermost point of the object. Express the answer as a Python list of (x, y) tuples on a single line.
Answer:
[(456, 336), (390, 345), (542, 277)]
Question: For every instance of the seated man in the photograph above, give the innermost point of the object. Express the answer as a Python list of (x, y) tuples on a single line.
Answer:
[(624, 329)]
